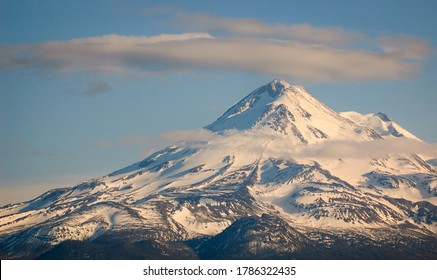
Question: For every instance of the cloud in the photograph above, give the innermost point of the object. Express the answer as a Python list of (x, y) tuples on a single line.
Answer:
[(198, 135), (21, 146), (126, 141), (299, 52), (92, 88), (331, 149), (162, 140), (142, 144), (109, 53), (250, 142), (97, 87), (373, 149), (406, 47), (252, 27), (24, 147), (255, 144), (104, 144), (135, 140)]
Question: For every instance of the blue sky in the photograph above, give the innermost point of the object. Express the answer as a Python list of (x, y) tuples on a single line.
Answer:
[(87, 87)]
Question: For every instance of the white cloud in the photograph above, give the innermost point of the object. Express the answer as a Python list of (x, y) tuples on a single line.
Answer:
[(279, 146), (406, 47), (252, 27), (109, 53), (259, 143), (374, 149), (299, 52)]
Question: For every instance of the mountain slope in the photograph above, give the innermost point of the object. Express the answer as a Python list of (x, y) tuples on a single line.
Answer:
[(278, 157), (381, 123)]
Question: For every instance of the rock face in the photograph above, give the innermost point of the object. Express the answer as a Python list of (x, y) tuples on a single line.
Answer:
[(281, 175)]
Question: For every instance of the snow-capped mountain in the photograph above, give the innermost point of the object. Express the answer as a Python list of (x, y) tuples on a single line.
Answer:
[(290, 110), (280, 175)]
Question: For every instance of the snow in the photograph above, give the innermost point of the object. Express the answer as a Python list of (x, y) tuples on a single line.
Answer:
[(209, 202), (199, 225), (280, 136), (381, 123)]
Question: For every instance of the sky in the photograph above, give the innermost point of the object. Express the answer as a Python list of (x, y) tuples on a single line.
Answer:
[(88, 87)]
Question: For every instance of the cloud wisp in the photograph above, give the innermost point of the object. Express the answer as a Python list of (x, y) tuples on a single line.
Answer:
[(95, 87), (254, 28), (301, 52), (279, 146)]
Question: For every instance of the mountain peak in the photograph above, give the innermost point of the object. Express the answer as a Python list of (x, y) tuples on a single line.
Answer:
[(281, 108), (278, 88), (276, 97)]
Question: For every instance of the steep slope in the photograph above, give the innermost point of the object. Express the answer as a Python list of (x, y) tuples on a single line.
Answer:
[(277, 156)]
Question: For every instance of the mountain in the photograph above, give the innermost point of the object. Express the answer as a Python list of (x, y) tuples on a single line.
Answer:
[(280, 175), (290, 110), (381, 123)]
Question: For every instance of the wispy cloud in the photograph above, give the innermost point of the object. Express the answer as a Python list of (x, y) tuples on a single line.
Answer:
[(97, 87), (104, 144), (405, 46), (253, 27), (149, 143), (110, 53), (25, 147), (249, 146), (374, 149), (198, 135), (92, 88), (331, 149), (137, 140), (21, 146), (300, 51)]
